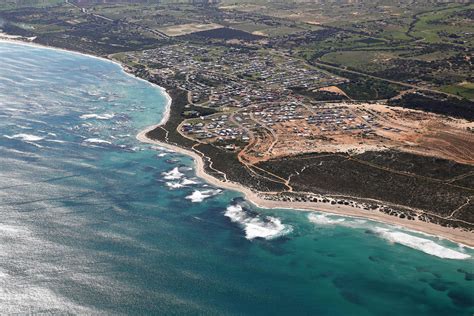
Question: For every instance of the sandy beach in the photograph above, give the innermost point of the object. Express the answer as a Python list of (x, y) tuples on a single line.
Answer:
[(455, 235)]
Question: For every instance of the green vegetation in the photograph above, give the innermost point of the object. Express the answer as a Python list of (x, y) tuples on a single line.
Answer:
[(369, 89), (13, 4), (463, 89), (403, 179), (444, 25), (364, 88), (367, 61), (435, 103)]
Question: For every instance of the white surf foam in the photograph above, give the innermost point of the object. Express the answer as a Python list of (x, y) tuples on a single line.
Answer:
[(174, 185), (199, 196), (184, 183), (56, 141), (173, 174), (189, 182), (322, 219), (24, 127), (426, 245), (326, 220), (267, 227), (423, 244), (12, 231), (97, 141), (25, 137), (97, 116)]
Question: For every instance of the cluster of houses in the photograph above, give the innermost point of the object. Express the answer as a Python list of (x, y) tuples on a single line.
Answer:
[(230, 76), (335, 119), (216, 128), (304, 121), (259, 86), (277, 112), (291, 74)]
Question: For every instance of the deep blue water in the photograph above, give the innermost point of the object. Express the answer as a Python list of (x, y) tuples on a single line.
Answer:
[(92, 221)]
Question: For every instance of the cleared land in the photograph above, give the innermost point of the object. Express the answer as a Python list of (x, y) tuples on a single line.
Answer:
[(339, 127), (184, 29)]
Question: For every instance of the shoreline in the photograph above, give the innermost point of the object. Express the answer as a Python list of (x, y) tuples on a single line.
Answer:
[(122, 67), (464, 238)]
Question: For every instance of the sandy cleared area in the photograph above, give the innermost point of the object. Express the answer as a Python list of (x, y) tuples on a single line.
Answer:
[(184, 29), (358, 127)]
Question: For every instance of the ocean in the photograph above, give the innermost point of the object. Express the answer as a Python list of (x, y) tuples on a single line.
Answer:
[(94, 222)]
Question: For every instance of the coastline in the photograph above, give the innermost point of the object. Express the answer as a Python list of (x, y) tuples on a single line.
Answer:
[(122, 67), (456, 235)]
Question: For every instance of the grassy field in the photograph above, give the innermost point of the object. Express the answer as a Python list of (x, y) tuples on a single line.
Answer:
[(360, 60), (464, 89), (434, 26), (434, 55)]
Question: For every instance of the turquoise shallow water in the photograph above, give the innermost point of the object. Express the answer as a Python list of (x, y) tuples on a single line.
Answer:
[(91, 221)]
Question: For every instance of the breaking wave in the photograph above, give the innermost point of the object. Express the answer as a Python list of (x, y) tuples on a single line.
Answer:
[(322, 219), (25, 137), (200, 195), (189, 182), (398, 237), (173, 174), (174, 185), (97, 141), (183, 183), (426, 245), (97, 116), (327, 220), (256, 226)]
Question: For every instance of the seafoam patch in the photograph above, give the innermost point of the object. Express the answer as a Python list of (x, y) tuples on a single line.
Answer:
[(97, 141), (25, 137), (328, 220), (181, 184), (322, 219), (392, 235), (97, 116), (423, 244), (200, 195), (257, 226), (174, 185), (173, 174)]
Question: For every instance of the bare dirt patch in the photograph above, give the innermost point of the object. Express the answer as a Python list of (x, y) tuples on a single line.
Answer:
[(357, 128), (184, 29)]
